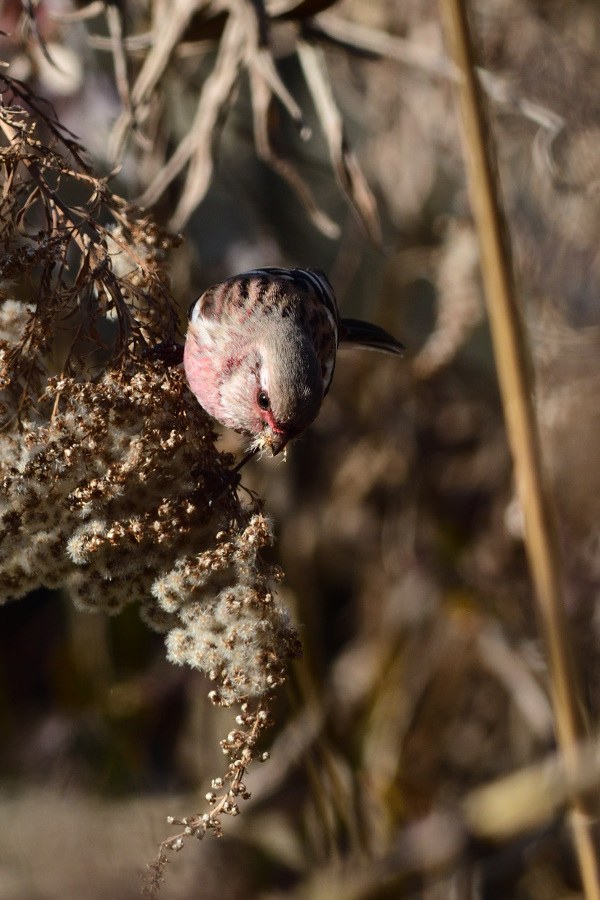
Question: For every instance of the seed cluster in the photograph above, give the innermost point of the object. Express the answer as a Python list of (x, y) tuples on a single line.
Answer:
[(111, 486), (114, 490), (226, 792)]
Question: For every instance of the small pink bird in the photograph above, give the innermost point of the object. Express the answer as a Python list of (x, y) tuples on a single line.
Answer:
[(261, 347)]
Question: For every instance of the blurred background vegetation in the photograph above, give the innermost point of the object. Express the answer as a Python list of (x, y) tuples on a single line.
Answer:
[(396, 518)]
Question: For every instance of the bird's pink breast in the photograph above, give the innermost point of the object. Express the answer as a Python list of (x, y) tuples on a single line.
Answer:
[(202, 376)]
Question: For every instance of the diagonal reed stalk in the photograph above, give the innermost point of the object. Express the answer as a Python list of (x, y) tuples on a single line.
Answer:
[(511, 351)]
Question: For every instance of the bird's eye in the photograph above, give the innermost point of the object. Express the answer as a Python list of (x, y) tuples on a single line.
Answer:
[(263, 400)]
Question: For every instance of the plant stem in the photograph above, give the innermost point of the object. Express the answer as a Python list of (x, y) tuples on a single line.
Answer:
[(514, 368)]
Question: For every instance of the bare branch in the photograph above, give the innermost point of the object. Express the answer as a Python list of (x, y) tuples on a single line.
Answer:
[(345, 164)]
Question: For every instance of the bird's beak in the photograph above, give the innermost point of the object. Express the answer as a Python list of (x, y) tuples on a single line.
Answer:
[(276, 441)]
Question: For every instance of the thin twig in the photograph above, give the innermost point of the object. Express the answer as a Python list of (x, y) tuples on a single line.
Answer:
[(261, 103), (345, 166), (167, 32), (196, 147), (516, 383), (115, 26)]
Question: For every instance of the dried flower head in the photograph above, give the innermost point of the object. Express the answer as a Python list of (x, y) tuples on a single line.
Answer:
[(110, 482)]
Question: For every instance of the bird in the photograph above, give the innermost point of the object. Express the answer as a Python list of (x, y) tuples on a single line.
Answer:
[(261, 348)]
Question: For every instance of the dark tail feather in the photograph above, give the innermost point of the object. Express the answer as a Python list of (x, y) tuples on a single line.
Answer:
[(368, 337)]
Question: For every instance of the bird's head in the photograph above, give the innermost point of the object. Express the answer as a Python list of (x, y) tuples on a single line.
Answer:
[(261, 368), (271, 388), (286, 389)]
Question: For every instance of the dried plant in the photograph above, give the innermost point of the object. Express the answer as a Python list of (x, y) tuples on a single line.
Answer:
[(417, 754), (247, 34), (110, 482)]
